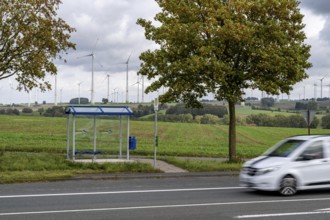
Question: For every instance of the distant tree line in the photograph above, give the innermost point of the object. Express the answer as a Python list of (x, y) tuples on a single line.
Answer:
[(187, 118), (312, 105), (253, 107), (80, 100), (267, 102), (55, 111), (292, 121), (251, 99), (180, 109), (27, 110), (323, 99), (143, 110), (9, 111), (326, 121)]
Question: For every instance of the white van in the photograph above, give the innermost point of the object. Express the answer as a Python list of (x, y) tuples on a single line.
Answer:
[(296, 163)]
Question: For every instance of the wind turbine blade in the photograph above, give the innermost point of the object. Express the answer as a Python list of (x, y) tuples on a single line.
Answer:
[(129, 58), (107, 76), (88, 55), (95, 45), (324, 77), (113, 64)]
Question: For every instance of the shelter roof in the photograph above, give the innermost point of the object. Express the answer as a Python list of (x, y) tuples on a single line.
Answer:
[(98, 110)]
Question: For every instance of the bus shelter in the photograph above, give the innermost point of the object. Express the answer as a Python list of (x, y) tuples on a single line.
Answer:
[(92, 113)]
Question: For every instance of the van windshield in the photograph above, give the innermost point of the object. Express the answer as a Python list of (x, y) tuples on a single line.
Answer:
[(284, 149)]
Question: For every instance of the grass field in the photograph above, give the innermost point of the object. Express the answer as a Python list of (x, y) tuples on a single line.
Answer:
[(34, 148), (43, 134)]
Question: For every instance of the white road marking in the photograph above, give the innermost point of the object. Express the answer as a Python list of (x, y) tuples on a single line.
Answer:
[(118, 192), (283, 214), (174, 206)]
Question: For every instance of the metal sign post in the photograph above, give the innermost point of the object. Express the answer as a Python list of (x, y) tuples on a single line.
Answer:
[(308, 116), (309, 122), (155, 130)]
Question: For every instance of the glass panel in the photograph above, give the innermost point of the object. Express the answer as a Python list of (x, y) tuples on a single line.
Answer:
[(284, 149), (314, 151), (87, 110)]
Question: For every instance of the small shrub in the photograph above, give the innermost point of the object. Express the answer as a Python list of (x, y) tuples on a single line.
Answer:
[(27, 110)]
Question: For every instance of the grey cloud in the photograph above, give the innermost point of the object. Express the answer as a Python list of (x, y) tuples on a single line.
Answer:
[(113, 23), (325, 33), (317, 6)]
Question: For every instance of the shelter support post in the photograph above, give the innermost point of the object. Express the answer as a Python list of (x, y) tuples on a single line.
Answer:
[(68, 138), (127, 146), (94, 143), (73, 137), (121, 138)]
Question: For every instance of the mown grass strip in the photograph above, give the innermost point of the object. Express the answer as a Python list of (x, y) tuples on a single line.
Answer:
[(206, 165), (31, 167)]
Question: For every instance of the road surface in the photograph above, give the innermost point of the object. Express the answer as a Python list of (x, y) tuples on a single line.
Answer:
[(211, 197)]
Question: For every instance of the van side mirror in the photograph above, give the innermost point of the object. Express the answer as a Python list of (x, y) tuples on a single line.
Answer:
[(306, 157)]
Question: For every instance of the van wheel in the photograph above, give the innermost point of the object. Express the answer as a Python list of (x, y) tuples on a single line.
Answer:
[(288, 186)]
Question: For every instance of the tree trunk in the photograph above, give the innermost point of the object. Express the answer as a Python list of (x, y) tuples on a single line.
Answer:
[(232, 131)]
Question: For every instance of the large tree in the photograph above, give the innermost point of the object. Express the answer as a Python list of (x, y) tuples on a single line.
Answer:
[(224, 47), (32, 37)]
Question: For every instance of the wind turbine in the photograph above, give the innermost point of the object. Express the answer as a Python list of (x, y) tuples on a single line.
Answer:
[(79, 83), (11, 88), (127, 77), (115, 94), (108, 85), (321, 84), (92, 83), (142, 78), (138, 90), (61, 90), (108, 92), (55, 98), (315, 91)]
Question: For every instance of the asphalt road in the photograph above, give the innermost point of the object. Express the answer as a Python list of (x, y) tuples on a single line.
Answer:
[(211, 197)]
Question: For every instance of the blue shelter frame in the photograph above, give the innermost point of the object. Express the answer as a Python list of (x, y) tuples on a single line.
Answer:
[(73, 111)]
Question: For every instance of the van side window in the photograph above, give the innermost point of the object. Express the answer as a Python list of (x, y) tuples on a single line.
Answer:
[(312, 152)]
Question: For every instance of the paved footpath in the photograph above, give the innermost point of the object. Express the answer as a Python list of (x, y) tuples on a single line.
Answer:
[(167, 170), (163, 166)]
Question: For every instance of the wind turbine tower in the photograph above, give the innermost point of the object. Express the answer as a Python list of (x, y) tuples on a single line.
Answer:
[(142, 77), (55, 101), (315, 91), (127, 77), (79, 92), (321, 84), (108, 88), (92, 82)]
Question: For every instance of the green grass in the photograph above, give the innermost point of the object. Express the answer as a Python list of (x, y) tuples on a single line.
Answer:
[(33, 148), (41, 134), (27, 167), (193, 165), (244, 111)]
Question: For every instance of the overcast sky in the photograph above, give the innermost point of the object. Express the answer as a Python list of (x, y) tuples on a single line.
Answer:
[(108, 29)]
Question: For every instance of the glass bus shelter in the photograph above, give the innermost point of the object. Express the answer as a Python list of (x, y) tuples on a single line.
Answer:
[(92, 113)]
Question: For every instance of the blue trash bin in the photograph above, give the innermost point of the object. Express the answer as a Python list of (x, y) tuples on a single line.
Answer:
[(132, 143)]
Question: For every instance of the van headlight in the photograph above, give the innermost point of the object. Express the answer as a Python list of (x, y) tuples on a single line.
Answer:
[(267, 170)]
